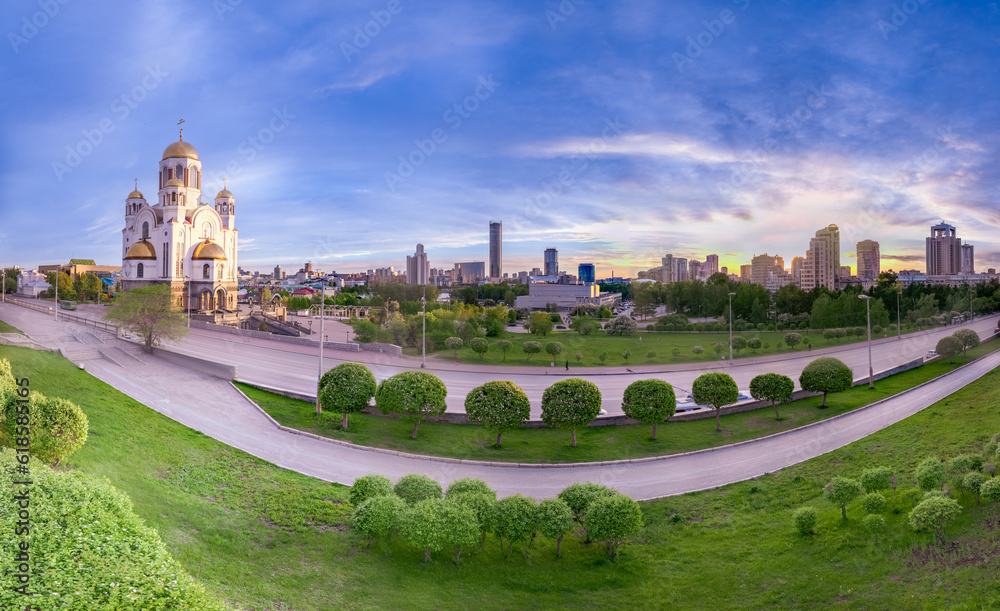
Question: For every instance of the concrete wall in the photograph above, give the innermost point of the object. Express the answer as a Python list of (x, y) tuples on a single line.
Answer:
[(218, 370), (302, 341)]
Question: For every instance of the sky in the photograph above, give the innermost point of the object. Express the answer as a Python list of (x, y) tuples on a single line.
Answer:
[(615, 132)]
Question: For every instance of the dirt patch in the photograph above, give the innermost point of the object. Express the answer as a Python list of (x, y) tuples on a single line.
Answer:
[(955, 553)]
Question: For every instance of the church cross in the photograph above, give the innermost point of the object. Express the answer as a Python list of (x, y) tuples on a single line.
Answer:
[(181, 123)]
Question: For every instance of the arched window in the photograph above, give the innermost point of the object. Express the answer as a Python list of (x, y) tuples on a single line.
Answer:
[(205, 271), (221, 269), (138, 271), (145, 231), (173, 198), (206, 230)]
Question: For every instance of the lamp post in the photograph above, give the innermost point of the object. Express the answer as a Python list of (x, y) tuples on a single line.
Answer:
[(322, 306), (972, 315), (188, 308), (899, 323), (868, 310), (55, 309), (423, 335), (731, 327)]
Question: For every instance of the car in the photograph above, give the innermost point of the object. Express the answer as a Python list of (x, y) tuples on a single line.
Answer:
[(931, 354), (560, 326)]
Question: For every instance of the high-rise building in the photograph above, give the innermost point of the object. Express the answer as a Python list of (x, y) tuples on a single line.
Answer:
[(279, 274), (944, 251), (669, 269), (762, 266), (746, 272), (587, 273), (496, 249), (695, 270), (797, 263), (712, 261), (470, 272), (869, 260), (417, 267), (822, 264), (551, 262), (968, 259)]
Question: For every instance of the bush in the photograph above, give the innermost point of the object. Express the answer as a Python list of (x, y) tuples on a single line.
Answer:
[(948, 347), (346, 389), (612, 519), (649, 401), (772, 387), (697, 349), (876, 479), (434, 525), (499, 406), (578, 356), (754, 344), (805, 520), (792, 339), (530, 348), (503, 346), (826, 375), (874, 524), (873, 502), (468, 485), (415, 487), (570, 404), (935, 514), (413, 395), (579, 496), (990, 489), (57, 426), (842, 491), (516, 520), (553, 348), (555, 519), (454, 344), (715, 389), (622, 325), (480, 346), (369, 486), (930, 474), (378, 516)]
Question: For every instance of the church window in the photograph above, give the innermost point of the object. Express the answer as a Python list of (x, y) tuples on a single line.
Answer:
[(145, 230), (138, 271), (173, 198), (206, 230), (221, 268), (186, 176), (204, 271)]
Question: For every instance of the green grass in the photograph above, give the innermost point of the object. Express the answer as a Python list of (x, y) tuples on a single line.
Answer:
[(661, 344), (595, 443), (6, 328), (733, 547)]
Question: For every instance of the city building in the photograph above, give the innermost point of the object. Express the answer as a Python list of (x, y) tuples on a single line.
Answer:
[(797, 263), (417, 267), (822, 263), (680, 269), (712, 264), (746, 273), (587, 273), (968, 260), (944, 251), (869, 260), (279, 274), (31, 283), (565, 296), (668, 269), (76, 267), (179, 240), (496, 249), (471, 272), (551, 262)]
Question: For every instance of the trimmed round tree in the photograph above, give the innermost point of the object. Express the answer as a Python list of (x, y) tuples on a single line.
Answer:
[(649, 401), (479, 345), (483, 505), (876, 479), (414, 487), (530, 348), (772, 387), (57, 427), (378, 516), (754, 344), (948, 346), (454, 344), (612, 519), (434, 525), (826, 375), (580, 495), (346, 389), (369, 486), (738, 343), (555, 519), (715, 389), (842, 491), (792, 339), (990, 489), (499, 406), (935, 514), (503, 346), (553, 348), (968, 337), (570, 404), (413, 395), (930, 473), (516, 520), (468, 485)]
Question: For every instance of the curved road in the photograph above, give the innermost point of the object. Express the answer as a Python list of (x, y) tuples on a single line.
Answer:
[(219, 410)]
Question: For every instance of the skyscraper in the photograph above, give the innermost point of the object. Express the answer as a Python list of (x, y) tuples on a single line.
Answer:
[(712, 261), (551, 262), (417, 267), (587, 273), (279, 274), (968, 259), (944, 251), (822, 264), (496, 249), (869, 260)]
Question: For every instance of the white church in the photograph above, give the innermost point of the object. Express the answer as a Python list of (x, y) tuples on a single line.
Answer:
[(181, 241)]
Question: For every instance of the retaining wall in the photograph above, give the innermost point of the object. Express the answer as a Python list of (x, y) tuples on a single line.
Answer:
[(302, 341), (218, 370)]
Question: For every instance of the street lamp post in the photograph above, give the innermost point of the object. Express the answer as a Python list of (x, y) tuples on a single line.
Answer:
[(188, 308), (731, 327), (322, 307), (868, 310), (899, 323), (55, 309), (423, 335)]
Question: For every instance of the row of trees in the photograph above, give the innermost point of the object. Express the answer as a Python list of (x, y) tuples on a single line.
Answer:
[(85, 287), (431, 519)]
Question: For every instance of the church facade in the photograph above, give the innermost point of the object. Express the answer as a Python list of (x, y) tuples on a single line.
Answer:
[(181, 241)]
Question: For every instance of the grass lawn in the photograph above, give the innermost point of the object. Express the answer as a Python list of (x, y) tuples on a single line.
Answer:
[(595, 443), (5, 328), (261, 537), (662, 345)]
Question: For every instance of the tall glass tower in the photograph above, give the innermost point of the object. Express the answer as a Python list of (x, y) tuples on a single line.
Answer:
[(551, 262), (496, 249)]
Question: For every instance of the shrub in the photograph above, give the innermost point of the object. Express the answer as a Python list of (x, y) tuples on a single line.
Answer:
[(553, 348), (454, 344), (369, 486), (503, 346), (874, 524), (876, 479), (579, 496), (873, 502), (415, 487), (479, 345), (602, 356), (570, 404), (626, 354), (346, 389), (990, 489), (555, 519), (792, 339), (715, 389), (697, 349), (622, 325), (974, 480), (650, 354), (754, 344), (434, 525), (805, 520), (772, 387), (499, 406), (612, 519), (468, 485), (738, 343), (935, 514), (57, 426), (930, 474), (826, 375), (516, 520), (649, 401), (530, 348), (578, 356), (378, 516), (949, 346), (842, 491), (413, 395)]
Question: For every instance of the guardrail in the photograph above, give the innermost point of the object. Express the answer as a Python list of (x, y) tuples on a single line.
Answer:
[(31, 306)]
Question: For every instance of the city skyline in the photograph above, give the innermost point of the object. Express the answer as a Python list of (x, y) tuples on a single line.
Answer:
[(779, 121)]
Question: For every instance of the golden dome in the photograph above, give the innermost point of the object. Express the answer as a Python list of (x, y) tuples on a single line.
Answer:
[(225, 193), (141, 250), (135, 195), (174, 182), (209, 250), (180, 149)]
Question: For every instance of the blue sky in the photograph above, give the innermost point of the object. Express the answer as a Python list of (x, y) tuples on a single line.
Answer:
[(613, 131)]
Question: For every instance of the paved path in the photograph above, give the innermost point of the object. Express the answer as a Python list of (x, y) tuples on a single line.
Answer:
[(219, 410)]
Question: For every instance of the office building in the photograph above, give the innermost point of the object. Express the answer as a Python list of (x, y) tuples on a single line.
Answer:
[(551, 262), (712, 264), (587, 273), (418, 267), (822, 263), (496, 249), (944, 251), (968, 259), (471, 272), (869, 260)]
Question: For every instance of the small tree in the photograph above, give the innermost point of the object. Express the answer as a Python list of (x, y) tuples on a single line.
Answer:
[(626, 354), (968, 337), (530, 348), (413, 395), (715, 389), (949, 346), (772, 387), (930, 474), (503, 346), (876, 479), (842, 491), (435, 525), (540, 323), (454, 344), (483, 506), (603, 356), (579, 496), (516, 521), (570, 404), (378, 516), (873, 502), (650, 354), (697, 349), (53, 427), (874, 524), (805, 520), (415, 487), (555, 519), (792, 339), (990, 489), (754, 344), (718, 347), (649, 401), (346, 389), (553, 348), (499, 406), (675, 351), (935, 514), (468, 485), (622, 325), (826, 375), (369, 486), (974, 480), (612, 519), (738, 343), (150, 313), (479, 345), (578, 356)]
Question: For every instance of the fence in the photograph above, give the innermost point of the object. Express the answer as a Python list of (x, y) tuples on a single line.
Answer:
[(31, 306)]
